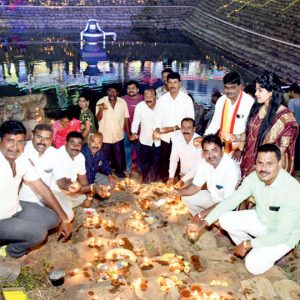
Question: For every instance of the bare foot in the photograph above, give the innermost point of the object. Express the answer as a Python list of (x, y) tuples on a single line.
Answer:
[(87, 203)]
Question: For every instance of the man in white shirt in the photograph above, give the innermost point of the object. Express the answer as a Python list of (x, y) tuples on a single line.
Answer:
[(164, 88), (171, 109), (183, 150), (69, 183), (220, 173), (113, 117), (231, 114), (23, 225), (149, 150)]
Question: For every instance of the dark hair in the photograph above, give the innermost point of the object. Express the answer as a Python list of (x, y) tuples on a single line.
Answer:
[(112, 86), (294, 88), (232, 78), (188, 120), (250, 89), (174, 75), (212, 138), (42, 126), (150, 89), (74, 134), (130, 82), (271, 83), (216, 94), (64, 114), (166, 70), (269, 148), (12, 127)]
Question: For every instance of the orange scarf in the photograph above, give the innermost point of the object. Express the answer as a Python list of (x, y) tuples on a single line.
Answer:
[(227, 127)]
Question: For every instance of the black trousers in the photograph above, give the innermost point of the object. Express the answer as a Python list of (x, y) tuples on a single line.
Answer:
[(165, 160), (116, 155), (150, 160)]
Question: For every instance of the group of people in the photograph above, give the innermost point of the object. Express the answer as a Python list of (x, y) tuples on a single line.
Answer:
[(247, 152)]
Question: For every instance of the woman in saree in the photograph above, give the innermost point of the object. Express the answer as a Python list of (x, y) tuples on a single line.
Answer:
[(269, 122)]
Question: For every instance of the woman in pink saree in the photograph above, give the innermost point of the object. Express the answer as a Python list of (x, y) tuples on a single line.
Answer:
[(269, 122), (62, 127)]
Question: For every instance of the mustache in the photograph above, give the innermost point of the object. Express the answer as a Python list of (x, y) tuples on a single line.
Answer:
[(41, 144), (76, 150), (262, 172), (186, 133)]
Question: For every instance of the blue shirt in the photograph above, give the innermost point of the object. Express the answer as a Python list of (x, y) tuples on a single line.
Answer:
[(94, 164), (294, 106)]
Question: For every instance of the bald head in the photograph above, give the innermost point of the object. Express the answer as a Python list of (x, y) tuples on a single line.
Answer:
[(95, 142)]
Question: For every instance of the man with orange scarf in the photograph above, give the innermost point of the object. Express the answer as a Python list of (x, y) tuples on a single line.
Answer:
[(231, 114)]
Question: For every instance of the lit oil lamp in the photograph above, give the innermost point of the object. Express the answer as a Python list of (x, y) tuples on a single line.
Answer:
[(73, 272), (146, 264)]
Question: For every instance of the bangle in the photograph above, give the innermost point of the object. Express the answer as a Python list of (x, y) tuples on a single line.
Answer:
[(66, 221), (92, 188)]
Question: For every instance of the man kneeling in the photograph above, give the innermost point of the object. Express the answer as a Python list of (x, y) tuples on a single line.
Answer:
[(270, 230)]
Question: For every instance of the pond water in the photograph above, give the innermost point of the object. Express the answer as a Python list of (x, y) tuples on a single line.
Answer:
[(52, 63)]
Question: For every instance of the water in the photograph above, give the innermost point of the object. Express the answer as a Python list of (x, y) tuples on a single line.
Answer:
[(33, 62)]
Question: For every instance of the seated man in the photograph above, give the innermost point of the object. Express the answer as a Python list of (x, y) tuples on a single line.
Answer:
[(270, 230), (23, 225), (220, 173), (47, 163), (97, 166), (70, 184), (183, 150)]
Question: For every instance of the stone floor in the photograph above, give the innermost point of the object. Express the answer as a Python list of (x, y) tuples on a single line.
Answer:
[(129, 248)]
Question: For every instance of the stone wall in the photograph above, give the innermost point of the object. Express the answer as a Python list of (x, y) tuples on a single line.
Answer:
[(279, 53), (168, 14)]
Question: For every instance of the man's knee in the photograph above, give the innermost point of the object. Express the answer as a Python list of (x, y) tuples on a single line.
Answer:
[(226, 220), (256, 265)]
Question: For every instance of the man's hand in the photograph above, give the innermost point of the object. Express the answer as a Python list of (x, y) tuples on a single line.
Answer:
[(102, 106), (134, 137), (74, 187), (194, 230), (102, 190), (170, 181), (236, 155), (179, 184), (65, 230), (156, 134), (197, 141), (242, 248)]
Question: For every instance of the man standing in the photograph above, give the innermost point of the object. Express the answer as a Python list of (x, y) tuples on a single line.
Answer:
[(231, 113), (113, 116), (150, 150), (171, 109), (164, 88), (97, 166), (270, 230), (183, 150), (23, 225), (220, 173), (132, 99)]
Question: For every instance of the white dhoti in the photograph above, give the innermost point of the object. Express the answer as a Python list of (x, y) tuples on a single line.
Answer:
[(244, 225)]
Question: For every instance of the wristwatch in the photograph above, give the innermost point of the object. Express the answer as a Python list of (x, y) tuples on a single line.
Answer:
[(67, 221)]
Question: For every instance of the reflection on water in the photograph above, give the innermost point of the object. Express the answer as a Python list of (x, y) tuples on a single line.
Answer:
[(54, 66)]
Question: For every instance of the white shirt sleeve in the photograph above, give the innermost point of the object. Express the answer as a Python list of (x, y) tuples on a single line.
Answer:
[(136, 119), (174, 158), (158, 114), (200, 176), (190, 112), (31, 174), (190, 174), (215, 124), (231, 179), (81, 164)]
